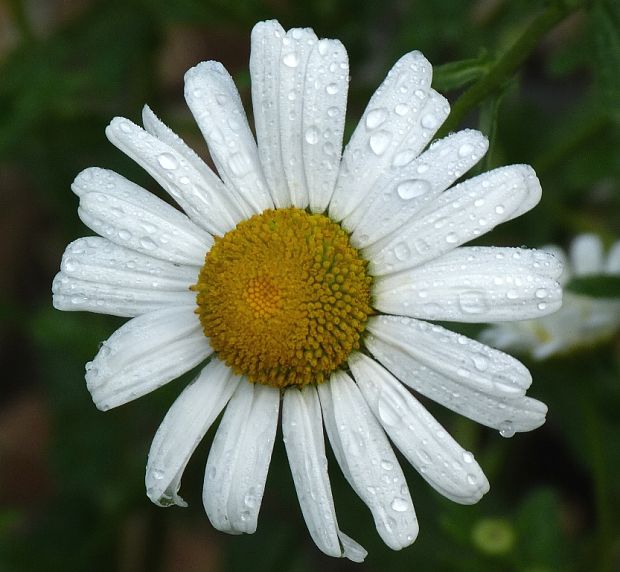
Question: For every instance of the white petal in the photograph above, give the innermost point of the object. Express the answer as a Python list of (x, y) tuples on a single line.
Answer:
[(612, 266), (239, 458), (82, 295), (265, 63), (394, 345), (200, 194), (367, 460), (401, 118), (159, 129), (99, 260), (214, 100), (475, 284), (296, 47), (439, 459), (144, 354), (100, 276), (129, 216), (460, 214), (586, 255), (404, 190), (183, 428), (302, 428), (325, 102)]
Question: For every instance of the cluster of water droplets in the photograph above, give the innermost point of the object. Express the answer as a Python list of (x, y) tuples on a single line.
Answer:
[(457, 372), (407, 188), (456, 216)]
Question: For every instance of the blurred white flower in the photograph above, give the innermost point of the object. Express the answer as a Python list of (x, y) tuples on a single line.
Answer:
[(581, 321), (302, 272)]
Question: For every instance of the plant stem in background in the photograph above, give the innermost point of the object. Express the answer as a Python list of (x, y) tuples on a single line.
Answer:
[(508, 63)]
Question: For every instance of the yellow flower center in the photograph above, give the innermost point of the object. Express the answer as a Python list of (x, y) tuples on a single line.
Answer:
[(284, 298)]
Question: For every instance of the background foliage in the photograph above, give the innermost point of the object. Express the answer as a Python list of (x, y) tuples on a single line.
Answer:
[(540, 78)]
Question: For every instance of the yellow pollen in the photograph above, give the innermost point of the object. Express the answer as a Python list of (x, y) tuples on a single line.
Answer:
[(284, 298)]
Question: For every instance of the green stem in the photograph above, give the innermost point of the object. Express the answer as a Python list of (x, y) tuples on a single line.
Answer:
[(507, 63)]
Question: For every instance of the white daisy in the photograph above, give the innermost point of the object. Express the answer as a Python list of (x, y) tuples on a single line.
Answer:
[(581, 321), (301, 274)]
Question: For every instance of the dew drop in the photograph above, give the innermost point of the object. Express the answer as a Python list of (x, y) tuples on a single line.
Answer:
[(541, 293), (124, 234), (125, 127), (468, 457), (506, 429), (312, 135), (332, 111), (401, 251), (471, 479), (401, 109), (332, 89), (465, 149), (376, 117), (147, 244), (452, 238), (387, 413), (168, 161), (412, 188), (323, 47), (291, 60), (481, 363), (387, 465), (542, 306), (399, 504), (379, 142)]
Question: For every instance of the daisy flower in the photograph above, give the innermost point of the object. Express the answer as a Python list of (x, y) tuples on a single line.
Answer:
[(302, 275), (581, 321)]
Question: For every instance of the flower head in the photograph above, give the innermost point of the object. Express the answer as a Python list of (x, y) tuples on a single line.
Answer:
[(581, 321), (302, 274)]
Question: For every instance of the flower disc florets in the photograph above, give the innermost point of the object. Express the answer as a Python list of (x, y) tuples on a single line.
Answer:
[(284, 298)]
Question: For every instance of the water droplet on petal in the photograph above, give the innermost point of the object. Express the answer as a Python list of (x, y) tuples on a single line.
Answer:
[(332, 111), (399, 504), (312, 135), (387, 465), (379, 142), (167, 161), (401, 251), (124, 234), (506, 429), (291, 60), (332, 89), (412, 188), (147, 244), (376, 117), (465, 149), (401, 109)]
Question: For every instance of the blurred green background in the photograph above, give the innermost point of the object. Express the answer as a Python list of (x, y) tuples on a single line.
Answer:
[(546, 90)]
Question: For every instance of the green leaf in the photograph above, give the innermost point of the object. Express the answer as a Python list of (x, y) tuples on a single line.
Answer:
[(596, 286), (455, 75)]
